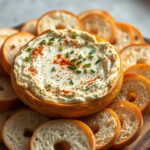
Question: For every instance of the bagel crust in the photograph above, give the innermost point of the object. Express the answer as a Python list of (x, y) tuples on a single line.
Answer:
[(66, 68)]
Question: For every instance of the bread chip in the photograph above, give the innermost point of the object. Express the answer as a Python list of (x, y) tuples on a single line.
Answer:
[(7, 31)]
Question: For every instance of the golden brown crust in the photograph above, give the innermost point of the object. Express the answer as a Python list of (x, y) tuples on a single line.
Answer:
[(67, 110), (103, 14), (54, 11)]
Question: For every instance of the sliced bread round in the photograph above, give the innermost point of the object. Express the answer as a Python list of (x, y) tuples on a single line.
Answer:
[(105, 126), (135, 54), (8, 99), (131, 122), (63, 135), (58, 19), (7, 31), (10, 48), (124, 36), (142, 69), (99, 23), (136, 89), (19, 128), (30, 26)]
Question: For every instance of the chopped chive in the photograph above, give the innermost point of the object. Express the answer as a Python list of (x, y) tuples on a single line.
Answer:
[(78, 71), (74, 35), (53, 69), (72, 67), (92, 51), (27, 59), (61, 48), (51, 41), (79, 62), (87, 89), (73, 60), (97, 61), (29, 49), (90, 56), (87, 65), (43, 42), (59, 39), (67, 55), (92, 71), (72, 52), (86, 43), (80, 56), (71, 82), (85, 71)]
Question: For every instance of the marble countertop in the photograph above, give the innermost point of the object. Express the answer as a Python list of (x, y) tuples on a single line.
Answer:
[(136, 12)]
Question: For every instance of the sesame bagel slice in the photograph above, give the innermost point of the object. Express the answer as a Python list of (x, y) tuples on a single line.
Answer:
[(10, 48), (58, 19), (105, 126), (63, 135), (67, 73)]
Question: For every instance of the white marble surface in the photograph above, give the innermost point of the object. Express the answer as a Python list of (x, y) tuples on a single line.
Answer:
[(137, 12)]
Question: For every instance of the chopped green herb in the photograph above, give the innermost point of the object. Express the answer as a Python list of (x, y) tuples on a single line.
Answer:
[(74, 35), (53, 69), (43, 42), (80, 56), (78, 71), (85, 71), (72, 67), (87, 89), (97, 61), (59, 39), (61, 48), (92, 71), (87, 65), (92, 51), (29, 49), (86, 43), (27, 59), (73, 60), (51, 41), (90, 56), (79, 62), (67, 55), (72, 52), (71, 82)]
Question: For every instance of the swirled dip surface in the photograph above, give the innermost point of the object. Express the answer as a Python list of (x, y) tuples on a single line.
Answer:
[(67, 66)]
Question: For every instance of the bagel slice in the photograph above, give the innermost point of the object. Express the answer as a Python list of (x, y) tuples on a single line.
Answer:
[(105, 126), (142, 69), (131, 122), (63, 135), (30, 26), (19, 128), (58, 19), (124, 36), (8, 99), (135, 54), (99, 23), (10, 48), (48, 73), (135, 89), (7, 31)]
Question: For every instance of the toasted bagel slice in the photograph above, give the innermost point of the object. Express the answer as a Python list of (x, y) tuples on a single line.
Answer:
[(82, 76), (105, 126), (99, 23), (2, 40), (30, 26), (138, 37), (135, 89), (10, 48), (131, 122), (8, 98), (20, 128), (124, 36), (142, 69), (59, 19), (135, 54), (7, 31), (63, 134)]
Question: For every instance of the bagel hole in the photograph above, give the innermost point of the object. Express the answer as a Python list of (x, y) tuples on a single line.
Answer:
[(1, 88), (131, 96), (62, 145), (60, 27), (140, 61), (95, 128), (28, 133)]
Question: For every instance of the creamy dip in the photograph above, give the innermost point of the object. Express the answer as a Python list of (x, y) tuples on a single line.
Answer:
[(67, 66)]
